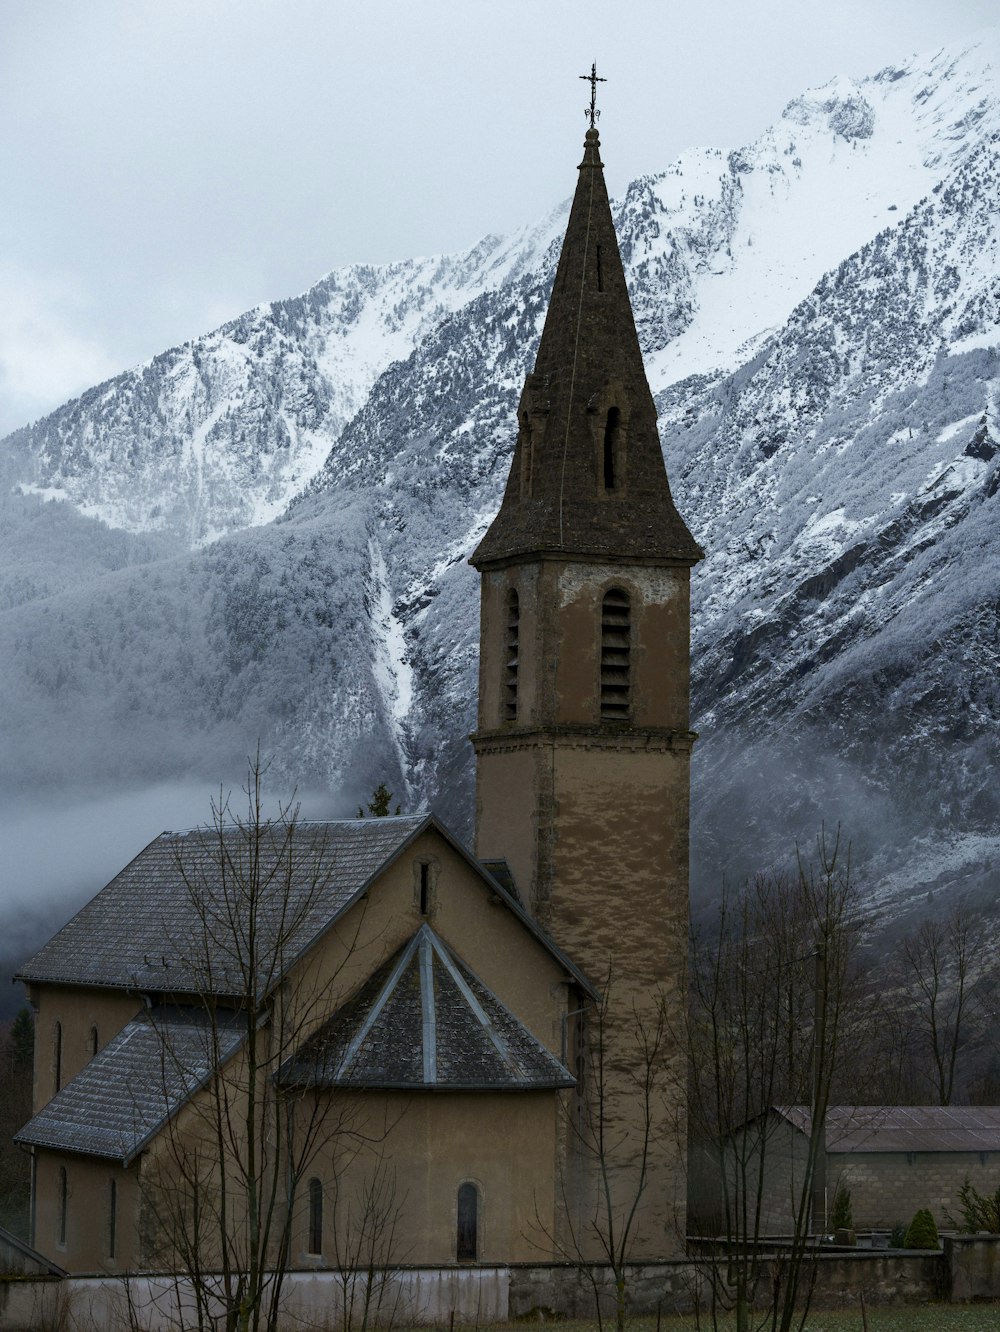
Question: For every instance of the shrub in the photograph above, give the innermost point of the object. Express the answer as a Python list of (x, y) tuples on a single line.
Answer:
[(922, 1233), (840, 1214), (897, 1236), (977, 1211)]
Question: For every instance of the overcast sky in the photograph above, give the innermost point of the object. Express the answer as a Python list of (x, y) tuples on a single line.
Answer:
[(165, 164)]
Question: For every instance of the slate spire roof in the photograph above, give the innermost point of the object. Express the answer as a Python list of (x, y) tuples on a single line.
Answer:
[(424, 1021), (587, 477)]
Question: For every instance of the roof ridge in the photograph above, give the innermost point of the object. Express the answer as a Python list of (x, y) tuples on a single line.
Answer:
[(482, 1017), (291, 823)]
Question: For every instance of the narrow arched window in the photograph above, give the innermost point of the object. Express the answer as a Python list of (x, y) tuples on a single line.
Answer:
[(112, 1218), (612, 437), (468, 1223), (57, 1056), (315, 1216), (424, 888), (92, 1042), (63, 1205), (616, 647), (512, 648)]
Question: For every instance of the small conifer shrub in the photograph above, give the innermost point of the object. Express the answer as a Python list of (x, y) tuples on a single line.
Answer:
[(977, 1211), (840, 1214), (922, 1233)]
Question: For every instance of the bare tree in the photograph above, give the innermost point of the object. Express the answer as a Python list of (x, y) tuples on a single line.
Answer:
[(603, 1184), (770, 996), (17, 1043), (224, 1188), (366, 1248), (941, 960)]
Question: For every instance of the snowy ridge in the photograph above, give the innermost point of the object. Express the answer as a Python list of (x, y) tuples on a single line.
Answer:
[(220, 433)]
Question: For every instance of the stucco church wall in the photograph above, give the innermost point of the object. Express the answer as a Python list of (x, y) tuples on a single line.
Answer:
[(433, 1142), (486, 935), (78, 1009), (559, 638), (659, 616), (87, 1243)]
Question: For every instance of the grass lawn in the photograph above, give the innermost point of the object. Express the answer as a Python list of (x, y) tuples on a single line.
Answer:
[(899, 1318)]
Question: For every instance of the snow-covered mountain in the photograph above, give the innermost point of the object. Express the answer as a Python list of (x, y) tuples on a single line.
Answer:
[(219, 434), (264, 532)]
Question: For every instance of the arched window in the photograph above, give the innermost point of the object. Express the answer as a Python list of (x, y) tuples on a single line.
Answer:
[(57, 1055), (612, 437), (92, 1042), (468, 1223), (616, 646), (112, 1218), (63, 1205), (512, 646), (315, 1216)]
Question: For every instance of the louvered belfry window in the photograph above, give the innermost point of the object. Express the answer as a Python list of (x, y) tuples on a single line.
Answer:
[(511, 646), (616, 644)]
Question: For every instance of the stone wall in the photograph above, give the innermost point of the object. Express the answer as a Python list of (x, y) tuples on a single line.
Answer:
[(481, 1295), (973, 1266), (887, 1188)]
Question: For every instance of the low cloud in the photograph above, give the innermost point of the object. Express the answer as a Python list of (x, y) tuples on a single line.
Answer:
[(58, 850), (43, 360)]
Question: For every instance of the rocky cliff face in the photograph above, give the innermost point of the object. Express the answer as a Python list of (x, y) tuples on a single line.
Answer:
[(264, 532)]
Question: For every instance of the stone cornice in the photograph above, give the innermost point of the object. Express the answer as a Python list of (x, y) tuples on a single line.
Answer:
[(633, 739), (556, 556)]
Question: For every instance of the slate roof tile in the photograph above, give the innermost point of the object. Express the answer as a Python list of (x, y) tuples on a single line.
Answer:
[(424, 1020), (146, 929), (135, 1084)]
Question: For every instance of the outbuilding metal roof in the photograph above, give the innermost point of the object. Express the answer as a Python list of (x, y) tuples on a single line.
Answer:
[(903, 1128), (424, 1021), (129, 1090)]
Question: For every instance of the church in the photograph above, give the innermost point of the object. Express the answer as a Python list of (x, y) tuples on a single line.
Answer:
[(272, 1042)]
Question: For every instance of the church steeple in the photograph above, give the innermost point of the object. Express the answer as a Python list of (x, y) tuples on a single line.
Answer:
[(588, 477), (583, 743)]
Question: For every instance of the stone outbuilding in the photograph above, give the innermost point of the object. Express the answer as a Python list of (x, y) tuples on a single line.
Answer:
[(894, 1159)]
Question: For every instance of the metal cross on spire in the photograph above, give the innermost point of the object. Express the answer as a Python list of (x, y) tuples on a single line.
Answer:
[(593, 79)]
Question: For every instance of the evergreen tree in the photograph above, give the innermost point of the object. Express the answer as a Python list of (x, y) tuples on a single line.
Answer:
[(380, 805)]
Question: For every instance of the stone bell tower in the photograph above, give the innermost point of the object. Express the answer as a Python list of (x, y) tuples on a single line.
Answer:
[(583, 744)]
